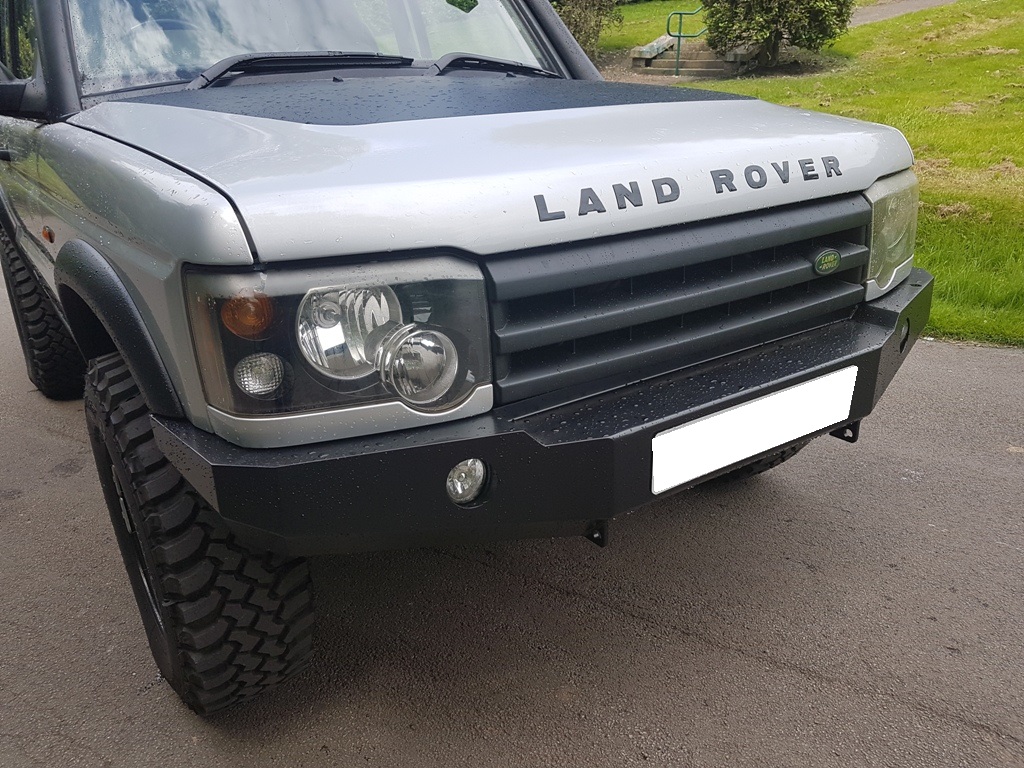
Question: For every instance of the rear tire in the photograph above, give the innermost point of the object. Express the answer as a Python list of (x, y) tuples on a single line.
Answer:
[(223, 621), (54, 362)]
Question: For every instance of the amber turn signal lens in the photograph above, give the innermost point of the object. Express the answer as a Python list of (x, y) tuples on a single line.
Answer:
[(248, 316)]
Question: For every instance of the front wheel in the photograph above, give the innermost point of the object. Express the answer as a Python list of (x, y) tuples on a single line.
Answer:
[(223, 621)]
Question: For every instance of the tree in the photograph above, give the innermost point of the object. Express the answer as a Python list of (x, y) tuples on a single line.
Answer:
[(764, 25), (586, 18)]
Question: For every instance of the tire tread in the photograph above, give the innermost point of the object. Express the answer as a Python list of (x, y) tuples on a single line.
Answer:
[(54, 362), (239, 618)]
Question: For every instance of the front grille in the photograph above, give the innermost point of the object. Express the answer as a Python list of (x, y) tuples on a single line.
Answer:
[(572, 315)]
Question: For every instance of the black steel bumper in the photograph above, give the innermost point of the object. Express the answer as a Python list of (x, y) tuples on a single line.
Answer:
[(555, 470)]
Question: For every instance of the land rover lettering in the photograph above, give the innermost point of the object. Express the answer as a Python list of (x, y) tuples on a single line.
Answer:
[(757, 177), (664, 189)]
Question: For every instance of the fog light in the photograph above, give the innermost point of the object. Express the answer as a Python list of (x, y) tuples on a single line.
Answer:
[(418, 364), (466, 481), (260, 375)]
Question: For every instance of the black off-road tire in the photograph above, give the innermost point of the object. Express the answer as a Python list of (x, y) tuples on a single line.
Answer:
[(761, 465), (54, 362), (224, 621)]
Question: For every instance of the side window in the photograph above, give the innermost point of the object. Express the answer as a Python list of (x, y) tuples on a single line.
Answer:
[(17, 39)]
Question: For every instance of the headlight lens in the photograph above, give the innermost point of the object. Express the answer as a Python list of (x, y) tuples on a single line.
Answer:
[(417, 364), (413, 331), (894, 203), (335, 326)]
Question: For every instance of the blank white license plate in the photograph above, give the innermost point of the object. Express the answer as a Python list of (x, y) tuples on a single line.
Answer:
[(697, 448)]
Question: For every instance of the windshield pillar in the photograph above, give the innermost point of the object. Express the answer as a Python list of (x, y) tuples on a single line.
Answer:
[(57, 96)]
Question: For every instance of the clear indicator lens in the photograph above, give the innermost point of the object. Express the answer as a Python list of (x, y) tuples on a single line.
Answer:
[(895, 221), (336, 325), (260, 375), (466, 481), (418, 364), (894, 203)]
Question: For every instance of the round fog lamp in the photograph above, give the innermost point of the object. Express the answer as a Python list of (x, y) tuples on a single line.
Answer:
[(466, 481), (418, 364), (260, 375)]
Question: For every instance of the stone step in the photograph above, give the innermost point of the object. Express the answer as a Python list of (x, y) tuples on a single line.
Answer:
[(665, 47), (696, 73), (691, 55), (713, 64), (696, 59), (656, 48)]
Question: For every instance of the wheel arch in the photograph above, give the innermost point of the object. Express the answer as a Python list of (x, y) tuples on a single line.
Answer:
[(103, 318)]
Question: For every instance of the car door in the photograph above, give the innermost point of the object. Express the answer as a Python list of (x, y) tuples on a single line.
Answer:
[(19, 171)]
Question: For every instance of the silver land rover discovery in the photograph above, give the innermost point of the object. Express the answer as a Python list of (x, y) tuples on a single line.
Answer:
[(358, 274)]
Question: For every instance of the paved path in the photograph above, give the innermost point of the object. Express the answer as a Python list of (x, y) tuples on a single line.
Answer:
[(859, 606), (889, 9)]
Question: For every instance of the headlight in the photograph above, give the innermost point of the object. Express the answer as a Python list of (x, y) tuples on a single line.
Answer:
[(336, 327), (412, 333), (894, 202)]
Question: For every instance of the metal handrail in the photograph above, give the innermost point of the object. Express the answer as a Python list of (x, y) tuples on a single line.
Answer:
[(680, 35)]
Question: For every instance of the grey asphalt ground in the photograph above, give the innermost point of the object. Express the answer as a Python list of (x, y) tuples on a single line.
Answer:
[(889, 9), (859, 606)]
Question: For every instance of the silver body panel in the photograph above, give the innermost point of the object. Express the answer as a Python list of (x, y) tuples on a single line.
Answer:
[(901, 273), (320, 426), (148, 219), (308, 191)]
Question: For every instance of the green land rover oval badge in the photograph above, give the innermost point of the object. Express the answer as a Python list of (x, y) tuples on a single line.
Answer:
[(827, 261)]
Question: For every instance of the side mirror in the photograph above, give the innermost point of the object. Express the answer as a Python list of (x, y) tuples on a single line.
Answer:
[(11, 97)]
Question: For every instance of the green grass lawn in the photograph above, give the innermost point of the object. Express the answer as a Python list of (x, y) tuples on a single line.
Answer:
[(952, 79)]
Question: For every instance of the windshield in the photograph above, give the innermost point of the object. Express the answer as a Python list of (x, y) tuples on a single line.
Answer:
[(132, 43)]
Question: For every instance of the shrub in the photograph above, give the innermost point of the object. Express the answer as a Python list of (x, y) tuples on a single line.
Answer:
[(764, 25), (586, 18)]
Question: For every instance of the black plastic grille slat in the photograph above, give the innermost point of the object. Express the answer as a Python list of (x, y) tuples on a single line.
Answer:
[(688, 346), (569, 316), (535, 325), (545, 270)]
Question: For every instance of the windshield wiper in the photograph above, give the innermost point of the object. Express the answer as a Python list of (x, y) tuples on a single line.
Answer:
[(293, 61), (487, 63)]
